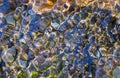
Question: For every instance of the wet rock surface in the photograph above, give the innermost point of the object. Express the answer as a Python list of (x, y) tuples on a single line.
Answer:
[(59, 39)]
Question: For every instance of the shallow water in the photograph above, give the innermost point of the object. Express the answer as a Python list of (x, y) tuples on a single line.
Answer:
[(59, 38)]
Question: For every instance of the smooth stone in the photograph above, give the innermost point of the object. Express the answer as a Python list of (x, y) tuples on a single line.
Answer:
[(76, 18), (8, 58), (22, 41), (64, 26), (55, 23), (83, 15), (5, 7), (31, 12), (22, 63), (24, 22), (37, 24), (9, 55), (38, 61), (10, 19), (24, 7), (93, 20), (42, 27)]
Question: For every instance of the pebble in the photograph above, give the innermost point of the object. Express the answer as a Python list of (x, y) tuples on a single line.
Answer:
[(22, 63), (9, 55), (55, 23), (10, 19), (83, 15), (76, 18)]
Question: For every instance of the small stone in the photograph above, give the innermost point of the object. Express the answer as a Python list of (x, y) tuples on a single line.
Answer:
[(22, 63), (9, 55), (31, 12), (83, 15), (64, 26), (93, 20), (76, 18), (22, 41), (38, 24), (55, 23), (10, 19), (38, 61), (24, 22), (24, 7), (116, 72)]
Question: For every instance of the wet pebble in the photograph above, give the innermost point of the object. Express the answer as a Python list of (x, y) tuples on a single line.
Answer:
[(10, 19)]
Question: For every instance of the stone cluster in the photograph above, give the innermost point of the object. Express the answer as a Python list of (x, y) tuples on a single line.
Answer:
[(59, 39)]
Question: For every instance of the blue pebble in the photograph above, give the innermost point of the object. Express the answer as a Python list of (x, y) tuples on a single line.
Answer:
[(3, 63), (67, 50), (93, 20), (5, 6), (64, 26), (21, 35), (24, 22)]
